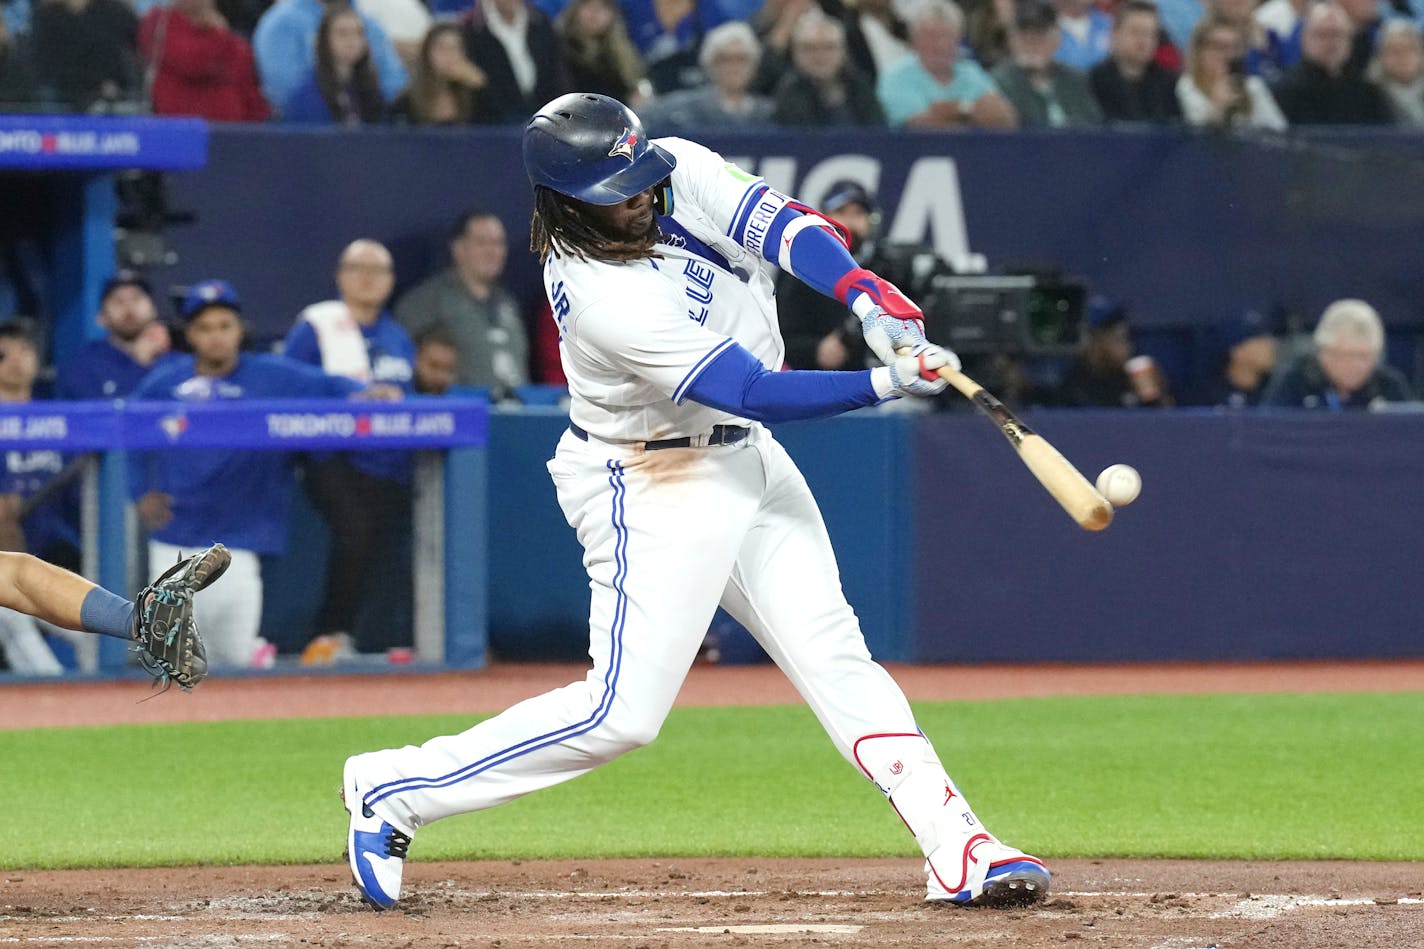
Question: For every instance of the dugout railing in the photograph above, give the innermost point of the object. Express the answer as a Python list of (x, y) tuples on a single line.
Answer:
[(447, 436)]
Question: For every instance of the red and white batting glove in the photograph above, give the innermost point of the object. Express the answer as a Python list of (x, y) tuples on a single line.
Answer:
[(889, 320), (915, 373)]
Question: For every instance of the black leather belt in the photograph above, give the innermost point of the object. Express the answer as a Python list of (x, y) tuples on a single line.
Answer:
[(720, 435)]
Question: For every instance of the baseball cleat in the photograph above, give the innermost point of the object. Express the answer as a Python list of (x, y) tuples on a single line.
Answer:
[(375, 849), (989, 874)]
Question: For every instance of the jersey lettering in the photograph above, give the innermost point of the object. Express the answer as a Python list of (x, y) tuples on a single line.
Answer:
[(559, 301), (699, 290), (699, 281), (759, 221)]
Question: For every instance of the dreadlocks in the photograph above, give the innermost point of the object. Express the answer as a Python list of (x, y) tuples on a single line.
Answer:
[(560, 224)]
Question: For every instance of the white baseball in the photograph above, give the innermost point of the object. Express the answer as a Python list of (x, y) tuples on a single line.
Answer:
[(1119, 484)]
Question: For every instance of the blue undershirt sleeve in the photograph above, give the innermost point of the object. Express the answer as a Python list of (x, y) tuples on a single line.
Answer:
[(737, 383), (816, 255)]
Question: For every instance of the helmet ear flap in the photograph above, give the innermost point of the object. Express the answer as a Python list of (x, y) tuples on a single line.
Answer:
[(662, 197)]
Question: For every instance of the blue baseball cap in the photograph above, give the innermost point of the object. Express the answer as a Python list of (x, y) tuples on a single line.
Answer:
[(209, 293), (1103, 312), (125, 278), (1235, 330)]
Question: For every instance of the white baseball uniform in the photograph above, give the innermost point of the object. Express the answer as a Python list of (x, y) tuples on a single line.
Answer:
[(669, 534)]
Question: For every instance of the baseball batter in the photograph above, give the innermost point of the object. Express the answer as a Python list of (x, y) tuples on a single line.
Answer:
[(659, 260)]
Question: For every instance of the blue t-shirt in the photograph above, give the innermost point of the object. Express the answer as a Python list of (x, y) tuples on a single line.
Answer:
[(392, 355), (238, 497), (100, 370), (906, 88), (53, 522)]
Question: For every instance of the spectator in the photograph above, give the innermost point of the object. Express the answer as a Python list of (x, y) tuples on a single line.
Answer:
[(437, 362), (17, 74), (85, 53), (1316, 90), (876, 36), (1086, 34), (1244, 358), (822, 87), (111, 367), (1281, 20), (445, 87), (1215, 90), (1365, 23), (186, 498), (364, 497), (775, 24), (405, 23), (199, 66), (285, 45), (1105, 374), (1129, 85), (989, 25), (1237, 13), (1178, 18), (600, 54), (729, 58), (1045, 93), (516, 46), (819, 331), (668, 35), (1346, 370), (1398, 71), (342, 87), (469, 303), (935, 88)]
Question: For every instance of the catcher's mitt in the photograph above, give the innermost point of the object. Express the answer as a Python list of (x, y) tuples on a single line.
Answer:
[(164, 633)]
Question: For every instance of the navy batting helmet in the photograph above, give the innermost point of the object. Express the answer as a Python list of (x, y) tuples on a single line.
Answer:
[(592, 148)]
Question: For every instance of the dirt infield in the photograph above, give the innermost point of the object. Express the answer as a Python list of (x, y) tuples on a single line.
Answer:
[(729, 902), (1162, 904)]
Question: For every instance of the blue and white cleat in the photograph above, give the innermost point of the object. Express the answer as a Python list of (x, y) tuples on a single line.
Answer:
[(375, 848), (988, 874)]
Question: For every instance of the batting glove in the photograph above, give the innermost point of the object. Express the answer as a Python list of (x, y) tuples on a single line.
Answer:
[(885, 333), (914, 374)]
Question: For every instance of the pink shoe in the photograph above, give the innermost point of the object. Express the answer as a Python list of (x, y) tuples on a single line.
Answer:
[(264, 656)]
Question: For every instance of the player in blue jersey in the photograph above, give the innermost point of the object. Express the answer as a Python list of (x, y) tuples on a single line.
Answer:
[(242, 496), (659, 258), (136, 341)]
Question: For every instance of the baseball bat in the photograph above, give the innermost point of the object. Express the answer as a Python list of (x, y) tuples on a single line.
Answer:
[(1057, 475)]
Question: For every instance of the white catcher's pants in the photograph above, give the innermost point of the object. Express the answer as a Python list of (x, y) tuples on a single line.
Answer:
[(669, 535), (229, 613)]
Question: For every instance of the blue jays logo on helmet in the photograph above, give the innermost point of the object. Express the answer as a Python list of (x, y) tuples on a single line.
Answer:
[(593, 148), (625, 144)]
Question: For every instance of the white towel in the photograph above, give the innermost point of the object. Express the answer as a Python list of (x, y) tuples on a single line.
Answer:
[(343, 348)]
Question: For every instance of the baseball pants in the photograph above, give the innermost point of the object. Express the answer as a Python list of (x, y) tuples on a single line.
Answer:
[(668, 535)]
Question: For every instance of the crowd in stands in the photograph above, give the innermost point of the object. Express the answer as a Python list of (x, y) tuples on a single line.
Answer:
[(691, 64)]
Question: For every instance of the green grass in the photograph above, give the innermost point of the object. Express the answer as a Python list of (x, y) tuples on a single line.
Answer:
[(1254, 777)]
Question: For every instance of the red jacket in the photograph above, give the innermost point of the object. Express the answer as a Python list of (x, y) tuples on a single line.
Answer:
[(205, 71)]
